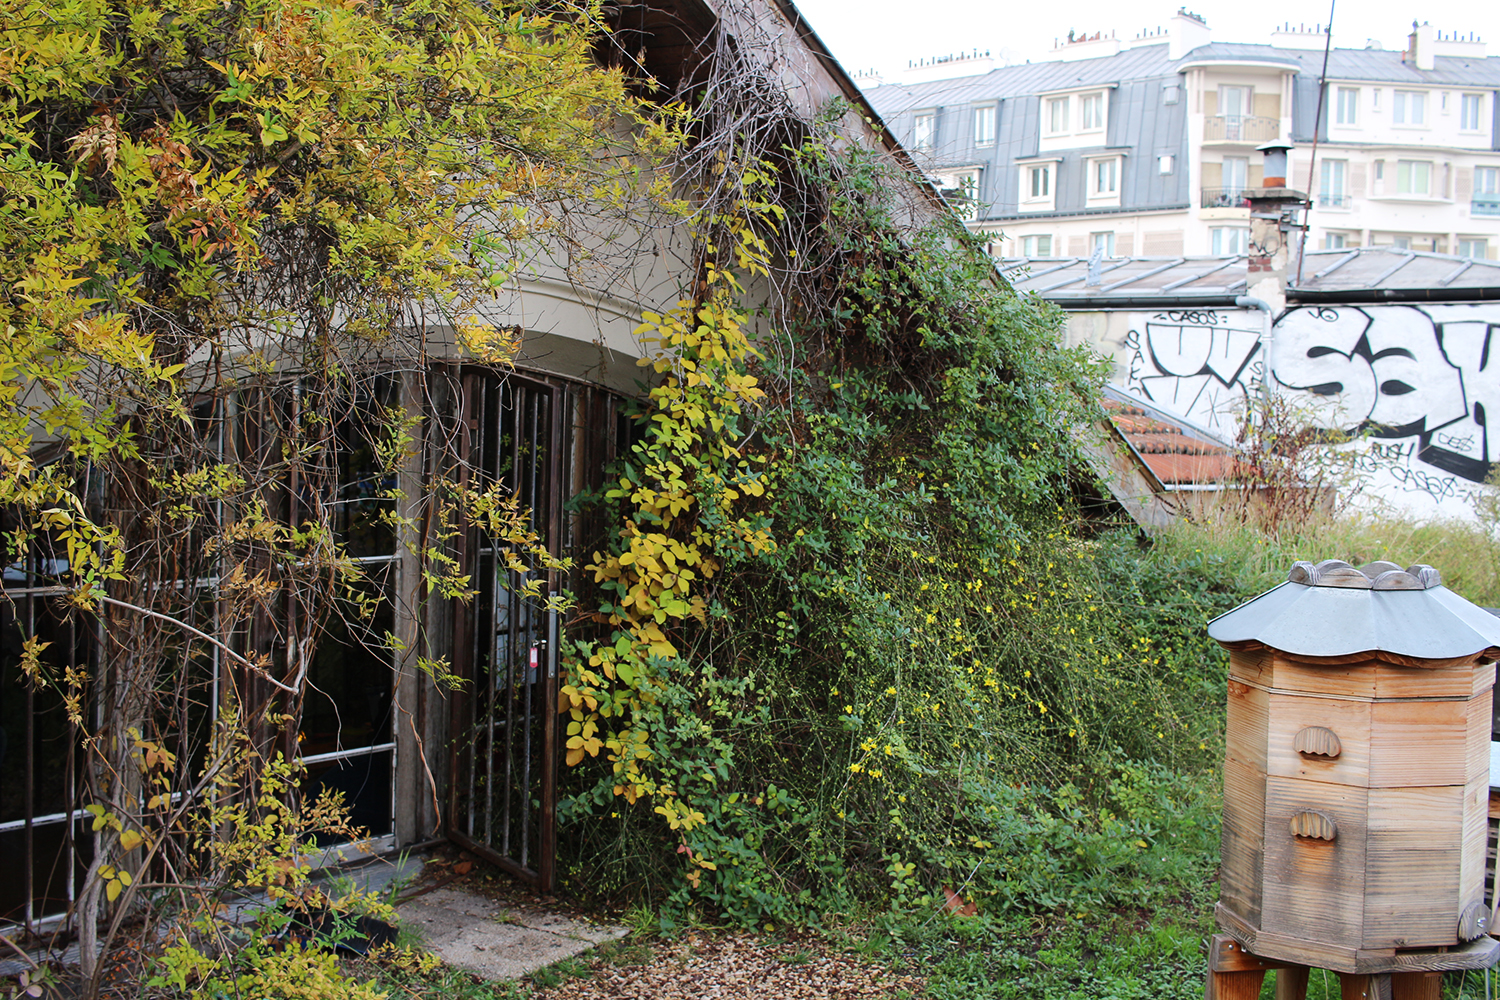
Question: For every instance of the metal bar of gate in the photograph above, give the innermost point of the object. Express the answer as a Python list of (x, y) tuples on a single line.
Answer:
[(526, 689), (492, 654), (547, 829), (30, 791)]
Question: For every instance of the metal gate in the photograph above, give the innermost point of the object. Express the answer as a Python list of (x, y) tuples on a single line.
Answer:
[(42, 833), (503, 804)]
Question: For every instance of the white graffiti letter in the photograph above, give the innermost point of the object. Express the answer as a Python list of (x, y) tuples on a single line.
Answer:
[(1314, 354), (1418, 389)]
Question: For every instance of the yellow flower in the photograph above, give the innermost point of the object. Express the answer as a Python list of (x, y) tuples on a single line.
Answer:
[(890, 690)]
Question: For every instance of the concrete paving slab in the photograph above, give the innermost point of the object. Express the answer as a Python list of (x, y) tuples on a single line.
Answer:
[(481, 936)]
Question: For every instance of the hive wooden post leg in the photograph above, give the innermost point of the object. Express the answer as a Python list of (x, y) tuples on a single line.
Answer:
[(1234, 985), (1416, 985), (1291, 982), (1360, 986)]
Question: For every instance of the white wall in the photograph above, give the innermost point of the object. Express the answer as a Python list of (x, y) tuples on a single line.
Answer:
[(1420, 385)]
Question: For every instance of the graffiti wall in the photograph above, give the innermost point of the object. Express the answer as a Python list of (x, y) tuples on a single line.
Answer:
[(1419, 386)]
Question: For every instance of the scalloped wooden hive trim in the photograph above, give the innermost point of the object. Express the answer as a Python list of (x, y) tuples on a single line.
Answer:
[(1317, 741), (1310, 824), (1379, 575)]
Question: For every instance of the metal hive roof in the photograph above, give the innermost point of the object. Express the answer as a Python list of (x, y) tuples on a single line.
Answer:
[(1421, 619)]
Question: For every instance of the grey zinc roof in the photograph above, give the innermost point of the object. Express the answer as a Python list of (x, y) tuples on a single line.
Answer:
[(1359, 269), (1140, 126), (1023, 80), (1063, 278), (1372, 65), (1431, 624), (1386, 267)]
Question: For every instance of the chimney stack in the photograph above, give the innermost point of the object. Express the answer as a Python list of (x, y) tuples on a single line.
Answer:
[(1188, 31), (1421, 46)]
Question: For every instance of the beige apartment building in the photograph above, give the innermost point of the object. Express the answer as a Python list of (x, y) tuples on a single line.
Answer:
[(1144, 147)]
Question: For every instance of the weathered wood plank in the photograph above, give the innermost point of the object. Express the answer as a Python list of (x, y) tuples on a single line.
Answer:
[(1242, 840), (1251, 667), (1314, 889), (1225, 954), (1476, 836), (1245, 733), (1391, 681), (1484, 677), (1477, 721), (1349, 720), (1358, 986), (1418, 743), (1412, 867), (1480, 954), (1236, 926), (1234, 985), (1416, 985), (1291, 982), (1316, 954), (1356, 680)]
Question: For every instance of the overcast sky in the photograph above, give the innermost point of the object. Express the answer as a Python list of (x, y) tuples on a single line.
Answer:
[(884, 34)]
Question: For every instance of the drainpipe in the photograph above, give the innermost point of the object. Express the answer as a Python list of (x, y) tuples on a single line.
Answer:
[(1250, 302)]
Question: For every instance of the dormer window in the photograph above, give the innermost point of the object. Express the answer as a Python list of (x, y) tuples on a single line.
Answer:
[(1093, 112), (1038, 184), (1103, 180), (1057, 115), (1041, 181), (1106, 177), (1074, 114), (984, 125), (924, 130)]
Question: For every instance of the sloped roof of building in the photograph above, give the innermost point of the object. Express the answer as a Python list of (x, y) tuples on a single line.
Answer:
[(1027, 78), (1365, 268), (1175, 452), (1373, 65), (1359, 269), (1062, 278)]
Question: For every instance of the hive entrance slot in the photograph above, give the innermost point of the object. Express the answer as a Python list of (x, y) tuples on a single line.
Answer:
[(1316, 741), (1312, 825)]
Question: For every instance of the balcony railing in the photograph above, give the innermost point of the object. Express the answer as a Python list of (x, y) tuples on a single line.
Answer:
[(1240, 128), (1224, 197), (1485, 204), (1326, 200)]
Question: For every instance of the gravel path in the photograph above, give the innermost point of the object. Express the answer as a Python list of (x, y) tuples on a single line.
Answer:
[(735, 967)]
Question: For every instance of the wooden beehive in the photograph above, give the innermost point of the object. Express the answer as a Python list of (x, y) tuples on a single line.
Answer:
[(1356, 777)]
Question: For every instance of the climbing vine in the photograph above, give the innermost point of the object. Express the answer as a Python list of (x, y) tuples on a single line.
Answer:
[(683, 492)]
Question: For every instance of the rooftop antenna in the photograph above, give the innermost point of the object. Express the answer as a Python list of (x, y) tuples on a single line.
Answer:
[(1312, 161)]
